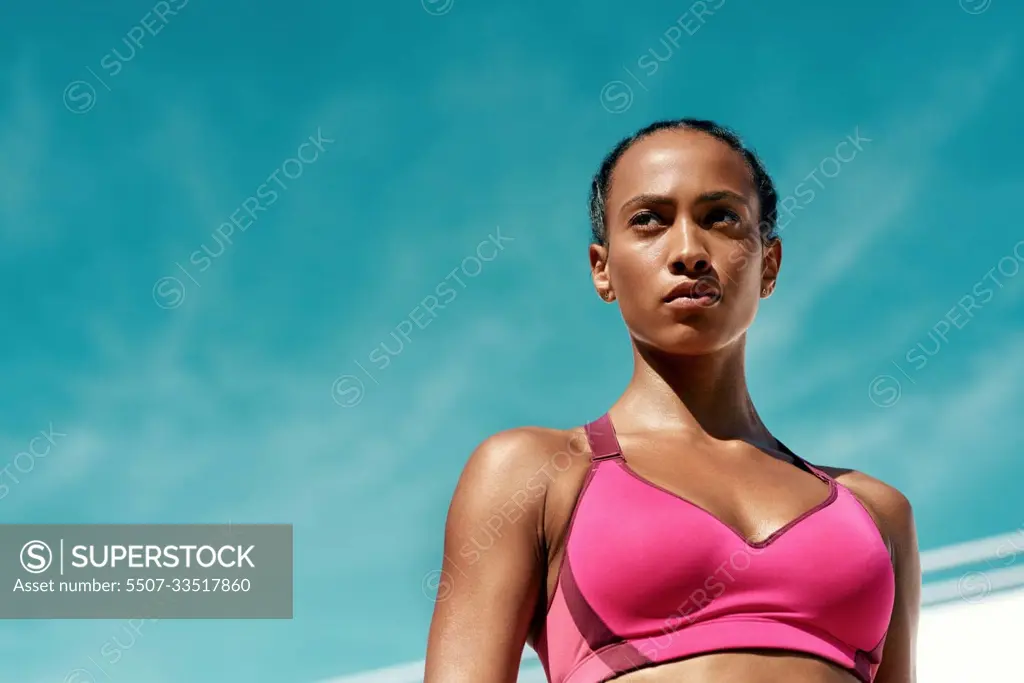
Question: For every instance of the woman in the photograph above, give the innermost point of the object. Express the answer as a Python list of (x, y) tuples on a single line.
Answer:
[(674, 538)]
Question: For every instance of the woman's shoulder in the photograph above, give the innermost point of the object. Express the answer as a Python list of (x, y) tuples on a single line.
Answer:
[(887, 504), (524, 450), (519, 464), (886, 497)]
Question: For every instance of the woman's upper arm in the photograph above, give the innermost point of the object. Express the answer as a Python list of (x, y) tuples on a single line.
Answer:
[(899, 656), (493, 564)]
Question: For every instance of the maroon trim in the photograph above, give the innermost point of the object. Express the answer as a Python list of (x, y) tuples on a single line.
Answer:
[(601, 435), (876, 654), (862, 666), (864, 676), (865, 662), (801, 463), (598, 635), (568, 535), (833, 493), (624, 658)]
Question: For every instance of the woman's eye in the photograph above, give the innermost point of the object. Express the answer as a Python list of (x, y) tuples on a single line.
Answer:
[(646, 219), (722, 216)]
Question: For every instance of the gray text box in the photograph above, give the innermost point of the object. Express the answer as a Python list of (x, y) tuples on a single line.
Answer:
[(145, 571)]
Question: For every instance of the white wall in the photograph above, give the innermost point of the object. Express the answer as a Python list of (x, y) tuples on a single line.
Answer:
[(966, 642)]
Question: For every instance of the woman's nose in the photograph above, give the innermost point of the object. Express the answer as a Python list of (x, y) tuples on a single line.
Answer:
[(689, 256)]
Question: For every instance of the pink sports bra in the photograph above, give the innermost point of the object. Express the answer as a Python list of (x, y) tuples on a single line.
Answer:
[(648, 577)]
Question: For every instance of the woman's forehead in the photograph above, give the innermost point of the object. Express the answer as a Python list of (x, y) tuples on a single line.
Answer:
[(678, 159)]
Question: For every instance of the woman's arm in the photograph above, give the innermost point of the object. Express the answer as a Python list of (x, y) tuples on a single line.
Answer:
[(494, 563)]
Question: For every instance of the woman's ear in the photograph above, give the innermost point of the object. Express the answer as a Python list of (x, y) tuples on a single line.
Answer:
[(771, 261), (599, 272)]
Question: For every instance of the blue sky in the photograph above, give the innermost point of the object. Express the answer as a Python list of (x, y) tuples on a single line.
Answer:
[(225, 394)]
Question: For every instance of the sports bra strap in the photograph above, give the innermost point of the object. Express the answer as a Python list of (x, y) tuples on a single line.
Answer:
[(800, 462), (601, 436)]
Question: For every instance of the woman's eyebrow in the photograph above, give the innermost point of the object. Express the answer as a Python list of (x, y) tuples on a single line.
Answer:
[(642, 199), (718, 195), (664, 200)]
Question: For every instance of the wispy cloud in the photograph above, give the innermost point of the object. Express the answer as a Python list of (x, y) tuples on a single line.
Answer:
[(922, 442), (870, 198)]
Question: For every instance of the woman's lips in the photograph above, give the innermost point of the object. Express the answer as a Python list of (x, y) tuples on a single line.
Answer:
[(692, 302), (693, 294)]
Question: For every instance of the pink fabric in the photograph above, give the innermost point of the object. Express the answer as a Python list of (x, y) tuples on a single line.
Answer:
[(649, 577)]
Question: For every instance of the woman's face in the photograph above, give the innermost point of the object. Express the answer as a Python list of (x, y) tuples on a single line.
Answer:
[(684, 256)]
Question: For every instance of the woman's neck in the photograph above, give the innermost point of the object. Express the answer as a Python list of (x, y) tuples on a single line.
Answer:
[(706, 393)]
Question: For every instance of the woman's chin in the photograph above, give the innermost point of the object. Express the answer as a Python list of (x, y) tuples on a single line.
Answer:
[(686, 341)]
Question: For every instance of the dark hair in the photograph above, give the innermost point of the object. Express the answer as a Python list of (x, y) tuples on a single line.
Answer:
[(602, 179)]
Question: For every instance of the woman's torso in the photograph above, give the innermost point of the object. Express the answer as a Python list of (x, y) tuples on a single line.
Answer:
[(728, 487)]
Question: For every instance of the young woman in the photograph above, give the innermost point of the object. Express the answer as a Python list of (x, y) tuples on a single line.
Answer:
[(674, 538)]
